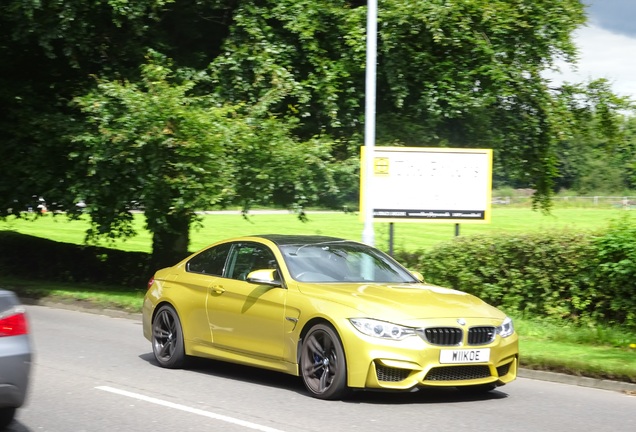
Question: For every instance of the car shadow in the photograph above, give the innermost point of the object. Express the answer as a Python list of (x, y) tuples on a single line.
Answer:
[(237, 372), (294, 384), (16, 426), (442, 395)]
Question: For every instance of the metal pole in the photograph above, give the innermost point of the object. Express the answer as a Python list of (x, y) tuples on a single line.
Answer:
[(368, 234)]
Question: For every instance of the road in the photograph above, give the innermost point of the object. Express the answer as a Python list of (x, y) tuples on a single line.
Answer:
[(96, 373)]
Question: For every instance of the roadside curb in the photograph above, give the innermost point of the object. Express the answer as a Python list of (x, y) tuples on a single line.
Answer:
[(561, 378), (113, 313), (581, 381)]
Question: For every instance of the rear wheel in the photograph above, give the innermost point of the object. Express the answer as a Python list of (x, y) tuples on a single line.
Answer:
[(167, 338), (322, 363)]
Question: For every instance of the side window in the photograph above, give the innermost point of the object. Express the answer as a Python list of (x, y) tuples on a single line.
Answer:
[(210, 261), (247, 257)]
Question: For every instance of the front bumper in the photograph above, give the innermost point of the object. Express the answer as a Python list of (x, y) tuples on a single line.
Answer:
[(412, 362)]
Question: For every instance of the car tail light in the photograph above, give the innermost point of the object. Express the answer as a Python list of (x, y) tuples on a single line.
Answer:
[(150, 282), (13, 324)]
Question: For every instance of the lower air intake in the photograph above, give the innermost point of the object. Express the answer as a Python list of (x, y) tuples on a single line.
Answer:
[(503, 370), (388, 374), (458, 373)]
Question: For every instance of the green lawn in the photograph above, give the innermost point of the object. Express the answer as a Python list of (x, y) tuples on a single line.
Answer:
[(407, 235), (598, 352)]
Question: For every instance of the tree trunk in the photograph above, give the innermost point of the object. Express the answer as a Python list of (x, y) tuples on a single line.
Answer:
[(170, 243)]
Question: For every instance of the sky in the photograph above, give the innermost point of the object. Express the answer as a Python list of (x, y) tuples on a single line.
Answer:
[(607, 46)]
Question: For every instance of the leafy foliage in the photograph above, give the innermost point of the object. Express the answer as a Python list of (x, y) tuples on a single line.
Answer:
[(584, 278), (537, 274), (151, 144), (617, 269), (595, 145), (262, 101), (157, 145), (50, 49)]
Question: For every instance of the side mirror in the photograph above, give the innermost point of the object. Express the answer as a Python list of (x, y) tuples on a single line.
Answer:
[(264, 277), (419, 276)]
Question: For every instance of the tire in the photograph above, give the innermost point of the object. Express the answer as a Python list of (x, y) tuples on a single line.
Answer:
[(167, 338), (6, 416), (322, 363)]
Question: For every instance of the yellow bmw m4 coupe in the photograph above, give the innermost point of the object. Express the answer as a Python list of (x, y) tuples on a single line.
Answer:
[(340, 314)]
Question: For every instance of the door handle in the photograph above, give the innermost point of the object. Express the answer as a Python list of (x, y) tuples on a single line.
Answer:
[(217, 289)]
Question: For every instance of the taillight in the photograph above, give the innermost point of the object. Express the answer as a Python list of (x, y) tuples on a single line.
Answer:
[(13, 325), (150, 282)]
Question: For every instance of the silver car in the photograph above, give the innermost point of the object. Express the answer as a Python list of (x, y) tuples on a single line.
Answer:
[(15, 356)]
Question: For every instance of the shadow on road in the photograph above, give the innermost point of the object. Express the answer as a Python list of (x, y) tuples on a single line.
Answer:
[(16, 426), (291, 383)]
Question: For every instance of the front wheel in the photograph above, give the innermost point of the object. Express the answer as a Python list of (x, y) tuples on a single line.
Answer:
[(167, 338), (322, 363)]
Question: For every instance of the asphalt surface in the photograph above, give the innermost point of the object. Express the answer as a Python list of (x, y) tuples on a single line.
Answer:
[(619, 386)]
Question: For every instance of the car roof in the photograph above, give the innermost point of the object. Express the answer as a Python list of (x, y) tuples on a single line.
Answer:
[(284, 239)]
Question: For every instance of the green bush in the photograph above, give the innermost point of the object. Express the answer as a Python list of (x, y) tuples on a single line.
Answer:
[(37, 258), (587, 278), (616, 273)]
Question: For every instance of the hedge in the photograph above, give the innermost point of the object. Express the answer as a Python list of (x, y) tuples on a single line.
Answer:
[(585, 277), (37, 258)]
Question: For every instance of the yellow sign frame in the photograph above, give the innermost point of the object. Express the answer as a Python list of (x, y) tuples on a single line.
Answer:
[(426, 184)]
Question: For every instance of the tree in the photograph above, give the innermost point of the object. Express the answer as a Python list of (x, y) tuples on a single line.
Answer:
[(463, 73), (594, 148), (155, 144), (260, 84), (50, 49), (629, 151)]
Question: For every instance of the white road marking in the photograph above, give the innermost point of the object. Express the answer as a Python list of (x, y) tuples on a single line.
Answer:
[(189, 409)]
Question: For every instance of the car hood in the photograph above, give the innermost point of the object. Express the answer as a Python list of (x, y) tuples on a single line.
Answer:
[(403, 302)]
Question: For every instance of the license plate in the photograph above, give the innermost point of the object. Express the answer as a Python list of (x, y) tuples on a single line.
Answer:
[(465, 356)]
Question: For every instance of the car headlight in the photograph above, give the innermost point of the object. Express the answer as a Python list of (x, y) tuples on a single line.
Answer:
[(506, 328), (381, 329)]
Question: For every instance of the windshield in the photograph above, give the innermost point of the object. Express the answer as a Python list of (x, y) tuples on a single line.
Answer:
[(343, 262)]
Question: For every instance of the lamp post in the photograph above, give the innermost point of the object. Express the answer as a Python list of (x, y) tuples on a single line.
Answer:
[(368, 233)]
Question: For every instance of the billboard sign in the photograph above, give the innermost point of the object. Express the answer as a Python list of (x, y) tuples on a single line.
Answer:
[(429, 184)]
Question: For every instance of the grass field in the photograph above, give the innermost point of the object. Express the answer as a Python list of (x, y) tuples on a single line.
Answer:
[(407, 235)]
